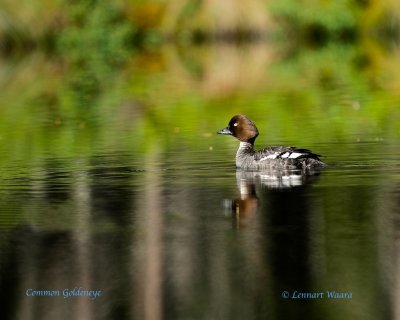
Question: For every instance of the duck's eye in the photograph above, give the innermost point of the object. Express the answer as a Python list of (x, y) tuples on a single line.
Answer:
[(235, 124)]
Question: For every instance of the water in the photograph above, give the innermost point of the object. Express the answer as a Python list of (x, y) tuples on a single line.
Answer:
[(137, 197)]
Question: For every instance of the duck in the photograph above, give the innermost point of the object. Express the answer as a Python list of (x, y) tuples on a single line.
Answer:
[(270, 158)]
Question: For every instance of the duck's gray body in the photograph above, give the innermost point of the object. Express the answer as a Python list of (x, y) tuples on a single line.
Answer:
[(276, 158)]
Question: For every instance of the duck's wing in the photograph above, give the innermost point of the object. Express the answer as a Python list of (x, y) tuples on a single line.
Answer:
[(272, 153)]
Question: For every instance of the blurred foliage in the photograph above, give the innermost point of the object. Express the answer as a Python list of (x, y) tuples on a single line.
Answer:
[(94, 44), (152, 22), (316, 20)]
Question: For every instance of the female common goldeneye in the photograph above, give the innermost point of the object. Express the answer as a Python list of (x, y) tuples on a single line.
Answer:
[(272, 158)]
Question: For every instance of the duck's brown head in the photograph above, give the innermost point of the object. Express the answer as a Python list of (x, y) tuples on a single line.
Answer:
[(242, 128)]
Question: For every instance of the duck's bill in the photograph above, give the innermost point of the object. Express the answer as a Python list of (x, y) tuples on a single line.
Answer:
[(225, 131)]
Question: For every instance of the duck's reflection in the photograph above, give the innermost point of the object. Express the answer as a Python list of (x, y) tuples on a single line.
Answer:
[(245, 207)]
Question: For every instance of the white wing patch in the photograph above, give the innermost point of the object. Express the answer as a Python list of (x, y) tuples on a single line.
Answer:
[(271, 156), (278, 155), (295, 155)]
